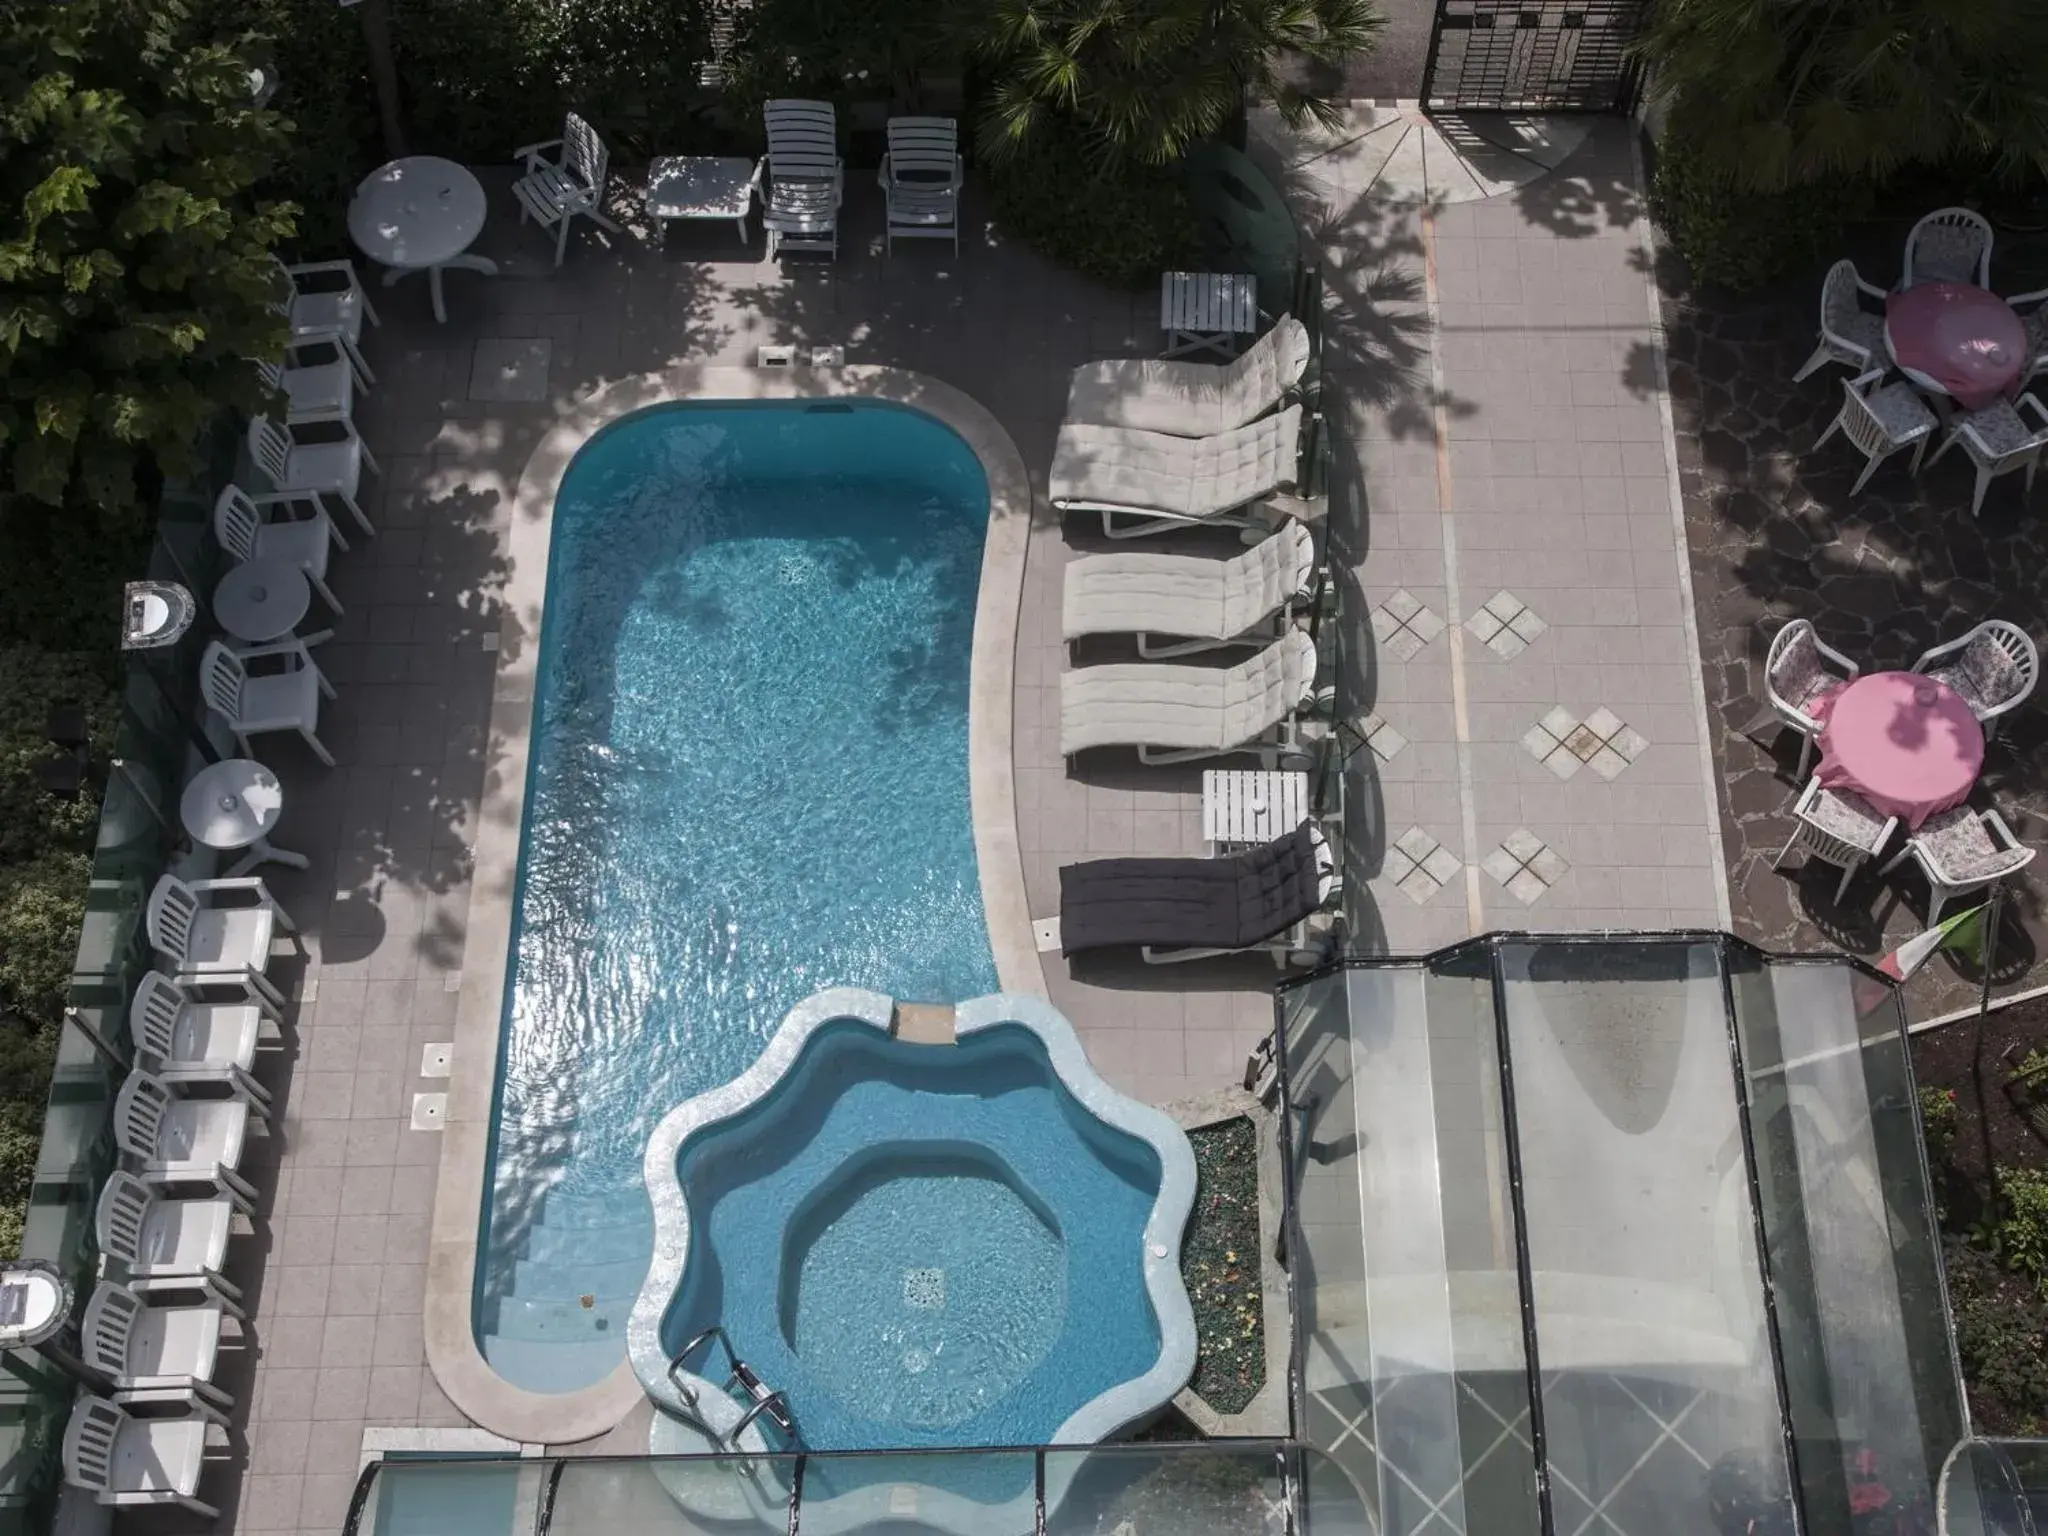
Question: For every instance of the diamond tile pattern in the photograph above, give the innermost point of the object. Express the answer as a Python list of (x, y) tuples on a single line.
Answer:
[(1506, 625), (1525, 865), (1403, 624), (1420, 865), (1602, 742), (1379, 735)]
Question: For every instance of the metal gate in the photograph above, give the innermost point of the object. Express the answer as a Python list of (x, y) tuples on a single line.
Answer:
[(1532, 56)]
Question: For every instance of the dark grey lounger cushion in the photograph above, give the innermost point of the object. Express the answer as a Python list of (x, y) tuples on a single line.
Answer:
[(1189, 903)]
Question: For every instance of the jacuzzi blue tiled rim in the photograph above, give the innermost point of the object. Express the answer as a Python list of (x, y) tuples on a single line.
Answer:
[(458, 1364), (1123, 1403)]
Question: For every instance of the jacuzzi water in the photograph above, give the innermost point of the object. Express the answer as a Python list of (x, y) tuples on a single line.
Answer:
[(748, 780), (920, 1245)]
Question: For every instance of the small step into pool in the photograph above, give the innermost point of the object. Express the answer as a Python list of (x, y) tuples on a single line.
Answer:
[(748, 780)]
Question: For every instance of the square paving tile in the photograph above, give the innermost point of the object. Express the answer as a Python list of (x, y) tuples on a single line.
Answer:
[(1525, 866), (511, 369)]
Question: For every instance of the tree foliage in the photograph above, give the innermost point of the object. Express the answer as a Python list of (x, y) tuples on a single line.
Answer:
[(135, 271), (837, 49), (1788, 93), (1149, 78)]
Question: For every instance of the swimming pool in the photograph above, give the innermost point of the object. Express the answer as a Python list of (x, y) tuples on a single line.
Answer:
[(748, 779)]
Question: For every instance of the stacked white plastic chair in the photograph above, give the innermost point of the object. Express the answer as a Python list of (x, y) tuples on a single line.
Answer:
[(173, 1139), (254, 704), (324, 301), (128, 1462), (295, 529), (217, 930), (331, 466), (146, 1345)]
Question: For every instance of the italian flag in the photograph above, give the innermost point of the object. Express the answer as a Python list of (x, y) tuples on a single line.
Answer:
[(1964, 931)]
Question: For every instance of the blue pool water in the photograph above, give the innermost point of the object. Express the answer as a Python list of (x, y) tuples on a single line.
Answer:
[(921, 1245), (748, 781)]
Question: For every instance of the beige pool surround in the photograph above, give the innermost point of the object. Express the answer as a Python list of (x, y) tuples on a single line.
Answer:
[(458, 1364)]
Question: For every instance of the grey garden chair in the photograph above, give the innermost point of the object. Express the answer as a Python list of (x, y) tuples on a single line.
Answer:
[(2035, 320), (126, 1461), (313, 389), (327, 468), (1849, 333), (920, 179), (273, 701), (217, 930), (326, 301), (172, 1139), (806, 178), (1836, 828), (1999, 440), (1960, 851), (154, 1243), (1994, 667), (294, 529), (563, 179), (1880, 421), (146, 1346), (183, 1036), (1949, 245), (1798, 672)]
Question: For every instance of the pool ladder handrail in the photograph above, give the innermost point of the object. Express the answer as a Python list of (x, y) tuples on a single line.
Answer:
[(761, 1398)]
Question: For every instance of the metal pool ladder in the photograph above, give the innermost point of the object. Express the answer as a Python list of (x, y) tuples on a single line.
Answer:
[(760, 1397)]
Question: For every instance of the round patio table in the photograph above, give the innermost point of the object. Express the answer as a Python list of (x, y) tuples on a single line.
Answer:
[(262, 600), (420, 214), (1956, 339), (1906, 743), (234, 804)]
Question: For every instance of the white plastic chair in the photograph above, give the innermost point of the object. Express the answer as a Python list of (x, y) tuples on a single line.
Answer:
[(314, 389), (1848, 332), (1998, 441), (127, 1461), (1881, 421), (142, 1345), (1994, 667), (2035, 321), (920, 180), (1949, 245), (178, 1140), (1836, 828), (319, 309), (160, 1245), (274, 701), (332, 468), (1798, 672), (1960, 851), (217, 930), (554, 188), (271, 528), (183, 1036), (806, 179)]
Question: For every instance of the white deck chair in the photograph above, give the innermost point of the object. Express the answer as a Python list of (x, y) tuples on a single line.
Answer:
[(1960, 851), (183, 1036), (554, 188), (1994, 667), (295, 529), (1998, 440), (320, 308), (1246, 600), (1799, 671), (1187, 399), (806, 179), (276, 701), (1880, 421), (177, 1140), (127, 1461), (1178, 714), (1838, 828), (1164, 482), (333, 468), (217, 930), (143, 1345), (1949, 245), (159, 1245), (314, 389), (920, 179), (1849, 333)]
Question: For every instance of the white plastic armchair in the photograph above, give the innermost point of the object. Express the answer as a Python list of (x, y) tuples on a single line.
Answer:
[(1960, 851), (806, 179), (1994, 667), (155, 1244), (1837, 828), (146, 1346), (920, 179), (563, 179), (1848, 333), (183, 1036), (326, 301), (171, 1139), (294, 529), (328, 467), (127, 1461), (253, 704), (313, 389), (1880, 419), (1998, 440), (1949, 245), (217, 930), (2035, 321), (1798, 672)]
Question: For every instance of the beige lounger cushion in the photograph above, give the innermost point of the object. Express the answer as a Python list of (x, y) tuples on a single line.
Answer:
[(1192, 477), (1147, 704), (1186, 594), (1191, 399)]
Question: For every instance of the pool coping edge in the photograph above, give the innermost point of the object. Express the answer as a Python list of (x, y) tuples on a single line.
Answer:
[(453, 1355)]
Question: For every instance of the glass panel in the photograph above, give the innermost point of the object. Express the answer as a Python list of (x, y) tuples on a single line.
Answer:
[(1213, 1491), (1981, 1494), (672, 1496), (1660, 1405), (994, 1492), (454, 1498), (1854, 1259), (1331, 1503)]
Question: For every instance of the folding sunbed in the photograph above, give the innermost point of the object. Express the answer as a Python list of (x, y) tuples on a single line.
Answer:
[(1245, 600), (1191, 399), (1163, 482), (1175, 714)]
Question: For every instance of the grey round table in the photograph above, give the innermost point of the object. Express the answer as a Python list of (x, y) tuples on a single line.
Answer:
[(263, 600), (233, 805), (420, 214)]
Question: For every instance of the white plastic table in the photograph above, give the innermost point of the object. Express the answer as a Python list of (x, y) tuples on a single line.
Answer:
[(264, 600), (420, 214), (1207, 311), (234, 804), (701, 187), (1249, 805)]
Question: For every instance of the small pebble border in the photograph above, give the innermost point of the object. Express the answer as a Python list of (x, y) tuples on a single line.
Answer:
[(1220, 1263)]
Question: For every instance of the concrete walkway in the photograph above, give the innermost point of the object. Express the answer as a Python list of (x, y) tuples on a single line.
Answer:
[(1504, 492)]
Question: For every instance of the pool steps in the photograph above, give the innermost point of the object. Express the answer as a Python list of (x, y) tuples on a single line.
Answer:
[(543, 1332), (923, 1023)]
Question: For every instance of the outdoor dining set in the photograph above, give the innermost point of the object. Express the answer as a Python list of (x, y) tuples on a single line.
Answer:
[(1902, 748), (1964, 356)]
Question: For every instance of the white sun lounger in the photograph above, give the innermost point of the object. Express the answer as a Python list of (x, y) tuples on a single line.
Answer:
[(1178, 714), (1168, 482), (1191, 399), (1245, 600)]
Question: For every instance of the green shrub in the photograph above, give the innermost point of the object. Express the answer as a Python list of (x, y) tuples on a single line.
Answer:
[(25, 1058), (1741, 239), (2001, 1341), (2017, 1234), (1121, 221), (42, 905), (1938, 1122)]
